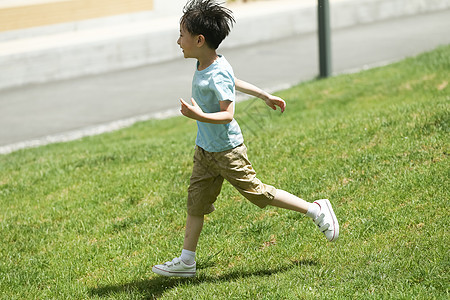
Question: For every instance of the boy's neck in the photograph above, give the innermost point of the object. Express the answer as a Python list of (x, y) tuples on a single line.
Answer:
[(207, 59)]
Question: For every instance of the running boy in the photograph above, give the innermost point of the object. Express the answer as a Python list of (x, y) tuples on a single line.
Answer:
[(220, 153)]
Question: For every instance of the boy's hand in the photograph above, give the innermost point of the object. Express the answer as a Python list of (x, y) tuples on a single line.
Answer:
[(274, 101), (191, 111)]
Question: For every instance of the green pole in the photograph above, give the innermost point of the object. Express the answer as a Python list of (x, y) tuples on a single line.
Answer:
[(324, 38)]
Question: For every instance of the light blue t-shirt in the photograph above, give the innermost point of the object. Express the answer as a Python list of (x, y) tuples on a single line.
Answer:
[(209, 87)]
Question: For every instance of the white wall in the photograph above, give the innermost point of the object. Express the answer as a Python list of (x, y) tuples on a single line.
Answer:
[(168, 7), (105, 45), (162, 8)]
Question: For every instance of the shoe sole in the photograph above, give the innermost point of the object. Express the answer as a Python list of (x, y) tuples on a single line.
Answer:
[(335, 221), (172, 274)]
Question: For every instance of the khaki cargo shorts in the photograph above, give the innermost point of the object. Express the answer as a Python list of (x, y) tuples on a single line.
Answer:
[(211, 168)]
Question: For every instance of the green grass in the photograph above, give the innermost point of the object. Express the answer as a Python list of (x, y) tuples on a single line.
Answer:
[(89, 218)]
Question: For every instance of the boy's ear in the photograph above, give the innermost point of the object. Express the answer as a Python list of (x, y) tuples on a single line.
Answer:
[(200, 40)]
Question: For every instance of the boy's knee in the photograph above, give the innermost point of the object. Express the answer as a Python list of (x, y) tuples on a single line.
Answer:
[(263, 197)]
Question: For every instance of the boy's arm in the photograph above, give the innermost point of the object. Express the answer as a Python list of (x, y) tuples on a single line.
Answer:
[(224, 116), (271, 100)]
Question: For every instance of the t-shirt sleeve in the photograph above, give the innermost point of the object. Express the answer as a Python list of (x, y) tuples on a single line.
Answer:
[(223, 87)]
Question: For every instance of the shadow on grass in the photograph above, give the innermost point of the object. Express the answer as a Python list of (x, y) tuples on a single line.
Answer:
[(154, 287)]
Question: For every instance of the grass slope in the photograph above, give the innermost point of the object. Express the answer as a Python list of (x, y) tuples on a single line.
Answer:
[(88, 219)]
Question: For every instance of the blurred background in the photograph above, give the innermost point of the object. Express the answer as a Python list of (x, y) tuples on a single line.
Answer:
[(70, 68)]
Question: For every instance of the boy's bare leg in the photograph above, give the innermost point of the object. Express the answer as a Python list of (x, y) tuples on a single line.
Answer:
[(194, 226), (286, 200), (320, 211), (184, 266)]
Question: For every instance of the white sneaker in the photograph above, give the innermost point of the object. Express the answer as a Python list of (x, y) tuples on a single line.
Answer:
[(176, 268), (326, 220)]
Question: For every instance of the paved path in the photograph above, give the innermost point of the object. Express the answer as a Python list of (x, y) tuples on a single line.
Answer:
[(81, 105)]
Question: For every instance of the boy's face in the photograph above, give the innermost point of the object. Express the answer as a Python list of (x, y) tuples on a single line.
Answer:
[(188, 42)]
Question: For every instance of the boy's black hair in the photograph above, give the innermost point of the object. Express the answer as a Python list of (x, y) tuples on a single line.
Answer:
[(208, 18)]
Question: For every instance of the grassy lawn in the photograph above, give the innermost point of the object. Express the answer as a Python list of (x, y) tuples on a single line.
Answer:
[(89, 218)]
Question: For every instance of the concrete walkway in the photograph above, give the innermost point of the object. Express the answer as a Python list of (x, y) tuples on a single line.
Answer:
[(65, 110)]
